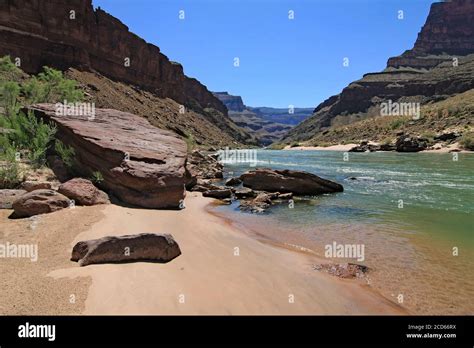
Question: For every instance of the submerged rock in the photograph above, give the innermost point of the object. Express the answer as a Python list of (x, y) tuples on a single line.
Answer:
[(285, 181), (127, 248), (345, 270)]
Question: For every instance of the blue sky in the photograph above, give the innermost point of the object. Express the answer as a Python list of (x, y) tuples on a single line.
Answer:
[(282, 62)]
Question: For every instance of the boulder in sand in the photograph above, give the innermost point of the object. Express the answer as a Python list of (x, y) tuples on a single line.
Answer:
[(83, 192), (39, 202), (286, 181), (128, 248)]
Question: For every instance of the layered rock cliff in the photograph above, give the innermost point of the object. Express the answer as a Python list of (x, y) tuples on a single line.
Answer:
[(70, 33), (440, 65)]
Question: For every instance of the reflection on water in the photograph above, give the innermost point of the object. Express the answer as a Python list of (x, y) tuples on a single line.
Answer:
[(409, 210)]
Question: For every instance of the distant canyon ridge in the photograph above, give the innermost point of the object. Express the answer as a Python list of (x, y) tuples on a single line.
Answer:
[(266, 124)]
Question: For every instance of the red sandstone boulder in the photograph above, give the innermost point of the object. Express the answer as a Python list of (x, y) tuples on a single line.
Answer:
[(142, 165), (36, 185), (286, 181), (83, 192), (128, 248), (39, 202)]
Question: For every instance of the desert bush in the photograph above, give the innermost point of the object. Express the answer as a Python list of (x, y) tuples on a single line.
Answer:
[(9, 92), (97, 177), (66, 153), (53, 87), (10, 173), (397, 123), (26, 132), (467, 141)]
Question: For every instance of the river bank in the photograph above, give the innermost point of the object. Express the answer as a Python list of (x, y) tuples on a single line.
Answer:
[(210, 277)]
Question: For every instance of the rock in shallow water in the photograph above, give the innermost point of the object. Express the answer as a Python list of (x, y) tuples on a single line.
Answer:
[(127, 248), (286, 181)]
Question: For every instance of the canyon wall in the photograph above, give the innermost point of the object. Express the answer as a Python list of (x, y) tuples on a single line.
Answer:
[(70, 33)]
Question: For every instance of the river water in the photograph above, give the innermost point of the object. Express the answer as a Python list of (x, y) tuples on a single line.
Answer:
[(414, 214)]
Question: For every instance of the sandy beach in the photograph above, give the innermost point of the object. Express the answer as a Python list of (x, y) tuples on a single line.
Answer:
[(210, 277), (340, 147)]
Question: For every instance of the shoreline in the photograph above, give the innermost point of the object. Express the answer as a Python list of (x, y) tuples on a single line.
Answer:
[(452, 148), (208, 275)]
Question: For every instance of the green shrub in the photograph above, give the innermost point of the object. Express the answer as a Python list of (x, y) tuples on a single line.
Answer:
[(10, 173), (56, 88), (66, 153), (467, 141), (9, 92), (26, 132), (397, 123), (97, 177)]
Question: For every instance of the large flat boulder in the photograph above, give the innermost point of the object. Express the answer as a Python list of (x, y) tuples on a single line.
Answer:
[(286, 181), (127, 248), (141, 165), (83, 192), (39, 202)]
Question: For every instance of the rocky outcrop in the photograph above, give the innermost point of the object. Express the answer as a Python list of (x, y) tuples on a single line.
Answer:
[(7, 197), (141, 164), (440, 65), (232, 102), (410, 144), (39, 202), (449, 30), (83, 192), (202, 166), (128, 248), (285, 181), (64, 34)]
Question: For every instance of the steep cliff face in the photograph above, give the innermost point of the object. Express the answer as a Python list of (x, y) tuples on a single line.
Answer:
[(449, 30), (69, 33), (440, 65), (232, 102)]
